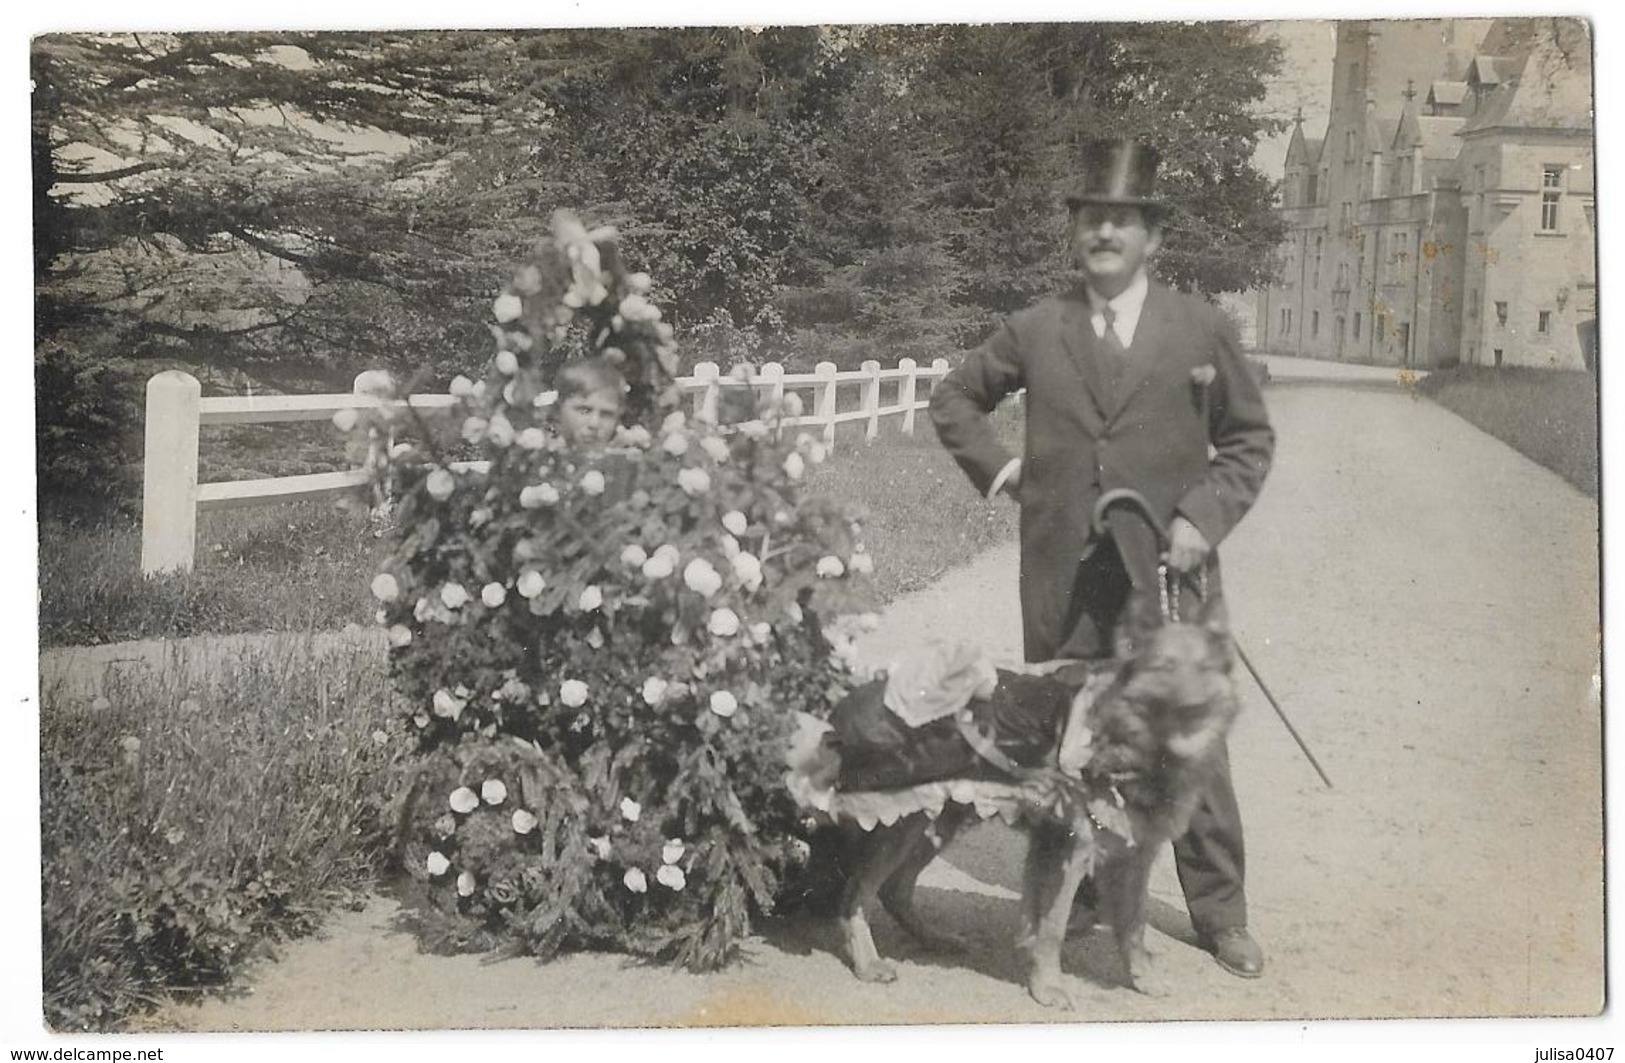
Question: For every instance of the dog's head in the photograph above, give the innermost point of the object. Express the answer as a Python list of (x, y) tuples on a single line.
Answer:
[(1175, 700)]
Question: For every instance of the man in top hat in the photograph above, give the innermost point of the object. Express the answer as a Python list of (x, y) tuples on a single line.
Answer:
[(1129, 384)]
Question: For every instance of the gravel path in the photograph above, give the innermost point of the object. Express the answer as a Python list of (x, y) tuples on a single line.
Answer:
[(1422, 599)]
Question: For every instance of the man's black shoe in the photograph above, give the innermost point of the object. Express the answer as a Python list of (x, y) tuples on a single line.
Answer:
[(1236, 951)]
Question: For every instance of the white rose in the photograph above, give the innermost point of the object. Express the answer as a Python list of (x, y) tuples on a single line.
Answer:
[(633, 436), (474, 428), (755, 429), (701, 577), (654, 690), (464, 800), (794, 467), (600, 845), (507, 363), (694, 481), (454, 596), (716, 447), (523, 822), (507, 307), (630, 810), (500, 430), (792, 404), (633, 556), (749, 570), (817, 452), (674, 421), (761, 631), (861, 563), (735, 521), (658, 567), (593, 482), (465, 884), (494, 791), (345, 419), (461, 386), (438, 864), (671, 876), (635, 880), (573, 692), (530, 583), (400, 450), (493, 594), (669, 552), (447, 704), (830, 567), (591, 598), (724, 623), (441, 483), (533, 439), (637, 308), (672, 851), (385, 588), (400, 635), (724, 704), (675, 444), (638, 283), (730, 547)]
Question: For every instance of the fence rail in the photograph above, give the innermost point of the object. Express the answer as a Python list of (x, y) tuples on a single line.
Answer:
[(172, 497)]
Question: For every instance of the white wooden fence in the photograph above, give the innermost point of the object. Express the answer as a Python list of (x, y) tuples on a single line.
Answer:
[(172, 496)]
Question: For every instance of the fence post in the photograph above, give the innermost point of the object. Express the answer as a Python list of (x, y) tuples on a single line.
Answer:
[(705, 398), (871, 399), (905, 394), (825, 372), (169, 481), (380, 385), (772, 376)]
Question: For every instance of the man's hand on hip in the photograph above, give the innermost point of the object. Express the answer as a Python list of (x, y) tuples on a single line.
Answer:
[(1187, 547)]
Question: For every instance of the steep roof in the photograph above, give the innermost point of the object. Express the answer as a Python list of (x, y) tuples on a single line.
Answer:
[(1447, 93), (1439, 140), (1549, 87)]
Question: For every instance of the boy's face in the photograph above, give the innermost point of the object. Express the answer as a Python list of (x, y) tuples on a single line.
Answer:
[(589, 420)]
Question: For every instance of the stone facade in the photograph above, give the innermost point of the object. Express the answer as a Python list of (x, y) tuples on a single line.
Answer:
[(1456, 224)]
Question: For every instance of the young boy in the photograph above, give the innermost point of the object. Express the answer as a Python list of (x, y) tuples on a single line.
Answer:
[(588, 407)]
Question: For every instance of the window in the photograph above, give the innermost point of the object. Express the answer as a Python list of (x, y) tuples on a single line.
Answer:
[(1356, 325), (1312, 193), (1348, 146), (1472, 302), (1405, 339), (1498, 355), (1551, 194), (1314, 324), (1382, 327), (1500, 312), (1317, 262), (1543, 324)]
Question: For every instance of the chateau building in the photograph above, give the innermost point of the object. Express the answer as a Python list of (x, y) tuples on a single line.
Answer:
[(1447, 215)]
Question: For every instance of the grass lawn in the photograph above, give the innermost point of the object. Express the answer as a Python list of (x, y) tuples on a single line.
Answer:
[(1548, 416)]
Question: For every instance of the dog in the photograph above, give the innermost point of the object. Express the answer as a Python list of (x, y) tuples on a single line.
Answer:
[(1148, 743)]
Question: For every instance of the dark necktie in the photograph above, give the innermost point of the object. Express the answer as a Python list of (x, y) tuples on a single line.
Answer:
[(1113, 355)]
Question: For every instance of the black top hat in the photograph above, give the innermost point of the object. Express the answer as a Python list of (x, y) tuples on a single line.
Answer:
[(1117, 171)]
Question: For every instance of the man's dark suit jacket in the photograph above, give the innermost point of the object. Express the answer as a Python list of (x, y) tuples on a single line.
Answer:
[(1186, 386)]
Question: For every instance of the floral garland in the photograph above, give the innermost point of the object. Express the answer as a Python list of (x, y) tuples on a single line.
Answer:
[(601, 657)]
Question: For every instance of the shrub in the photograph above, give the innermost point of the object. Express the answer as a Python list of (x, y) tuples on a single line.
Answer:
[(164, 863), (87, 415), (601, 654)]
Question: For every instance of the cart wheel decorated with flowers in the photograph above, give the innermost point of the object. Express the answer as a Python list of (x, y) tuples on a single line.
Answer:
[(602, 657)]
